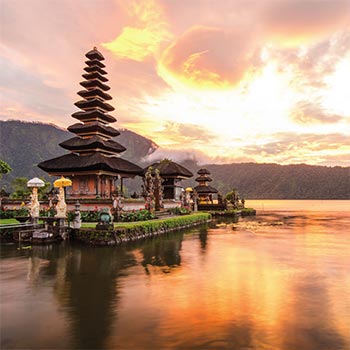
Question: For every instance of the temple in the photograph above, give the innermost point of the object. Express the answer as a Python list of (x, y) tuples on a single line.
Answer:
[(204, 191), (93, 164), (172, 173)]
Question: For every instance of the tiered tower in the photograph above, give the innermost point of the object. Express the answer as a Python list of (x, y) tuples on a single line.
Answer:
[(94, 163), (204, 191)]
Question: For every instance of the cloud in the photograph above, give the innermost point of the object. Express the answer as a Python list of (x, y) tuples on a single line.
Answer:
[(175, 155), (144, 36), (287, 148), (306, 112), (224, 50), (336, 160), (312, 63), (186, 133), (29, 96), (293, 22), (290, 148), (208, 57)]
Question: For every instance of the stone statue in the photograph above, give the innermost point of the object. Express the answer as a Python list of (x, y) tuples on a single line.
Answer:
[(77, 217), (34, 204), (61, 206)]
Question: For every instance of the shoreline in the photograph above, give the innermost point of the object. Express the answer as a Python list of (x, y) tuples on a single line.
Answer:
[(134, 231)]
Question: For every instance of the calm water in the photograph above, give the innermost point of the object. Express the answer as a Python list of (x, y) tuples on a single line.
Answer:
[(278, 281)]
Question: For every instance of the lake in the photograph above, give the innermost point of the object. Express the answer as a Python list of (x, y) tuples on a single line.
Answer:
[(276, 281)]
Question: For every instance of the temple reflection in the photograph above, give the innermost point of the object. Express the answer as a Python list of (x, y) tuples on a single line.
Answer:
[(85, 285), (162, 252)]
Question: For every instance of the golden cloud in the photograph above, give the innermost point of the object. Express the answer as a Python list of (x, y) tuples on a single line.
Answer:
[(208, 58), (143, 38), (306, 112), (294, 22)]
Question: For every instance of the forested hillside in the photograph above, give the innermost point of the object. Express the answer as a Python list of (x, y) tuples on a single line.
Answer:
[(274, 181), (23, 145), (283, 181)]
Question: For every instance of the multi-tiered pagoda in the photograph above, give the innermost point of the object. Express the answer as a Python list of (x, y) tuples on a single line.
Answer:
[(94, 164), (205, 192)]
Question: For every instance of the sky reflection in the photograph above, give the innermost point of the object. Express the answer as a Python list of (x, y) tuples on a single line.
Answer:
[(270, 282)]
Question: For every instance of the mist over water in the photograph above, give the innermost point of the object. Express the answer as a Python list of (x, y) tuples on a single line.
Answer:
[(279, 280)]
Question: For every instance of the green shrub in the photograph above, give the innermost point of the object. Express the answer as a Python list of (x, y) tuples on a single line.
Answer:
[(137, 215), (11, 213), (180, 211), (163, 224)]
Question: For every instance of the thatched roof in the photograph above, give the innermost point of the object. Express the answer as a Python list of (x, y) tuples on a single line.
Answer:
[(203, 171), (91, 143), (89, 84), (95, 127), (94, 103), (95, 63), (203, 178), (94, 75), (94, 115), (94, 92), (94, 54), (71, 163), (205, 189), (169, 168), (92, 69)]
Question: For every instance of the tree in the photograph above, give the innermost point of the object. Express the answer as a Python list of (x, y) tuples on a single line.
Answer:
[(43, 190), (148, 186), (158, 190), (4, 168), (19, 184)]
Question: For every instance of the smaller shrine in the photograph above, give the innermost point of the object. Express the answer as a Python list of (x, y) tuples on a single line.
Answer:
[(204, 191), (172, 173)]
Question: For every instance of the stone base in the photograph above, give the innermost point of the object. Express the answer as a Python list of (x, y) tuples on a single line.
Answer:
[(102, 226)]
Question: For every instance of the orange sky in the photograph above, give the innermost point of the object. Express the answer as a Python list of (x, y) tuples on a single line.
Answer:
[(224, 81)]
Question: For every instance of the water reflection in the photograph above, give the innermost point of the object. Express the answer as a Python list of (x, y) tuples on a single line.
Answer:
[(203, 238), (162, 252), (90, 293), (277, 281)]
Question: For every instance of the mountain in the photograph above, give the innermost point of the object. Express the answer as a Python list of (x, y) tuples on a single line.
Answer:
[(274, 181), (23, 145)]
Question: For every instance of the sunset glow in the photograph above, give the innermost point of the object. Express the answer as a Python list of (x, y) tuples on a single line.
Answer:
[(260, 81)]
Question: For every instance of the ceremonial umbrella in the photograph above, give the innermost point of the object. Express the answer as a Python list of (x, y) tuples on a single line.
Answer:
[(62, 182)]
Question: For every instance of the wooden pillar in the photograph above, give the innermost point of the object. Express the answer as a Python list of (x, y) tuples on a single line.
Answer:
[(98, 185), (102, 186), (121, 186)]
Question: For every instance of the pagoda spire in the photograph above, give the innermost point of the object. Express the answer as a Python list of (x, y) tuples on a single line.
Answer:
[(93, 162), (203, 189), (93, 133)]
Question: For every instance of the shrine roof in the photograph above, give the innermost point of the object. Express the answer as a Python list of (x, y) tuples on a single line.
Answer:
[(94, 54), (97, 161), (205, 189), (94, 92), (94, 103), (91, 143), (203, 171), (95, 115), (94, 127), (94, 83), (170, 168), (203, 178)]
